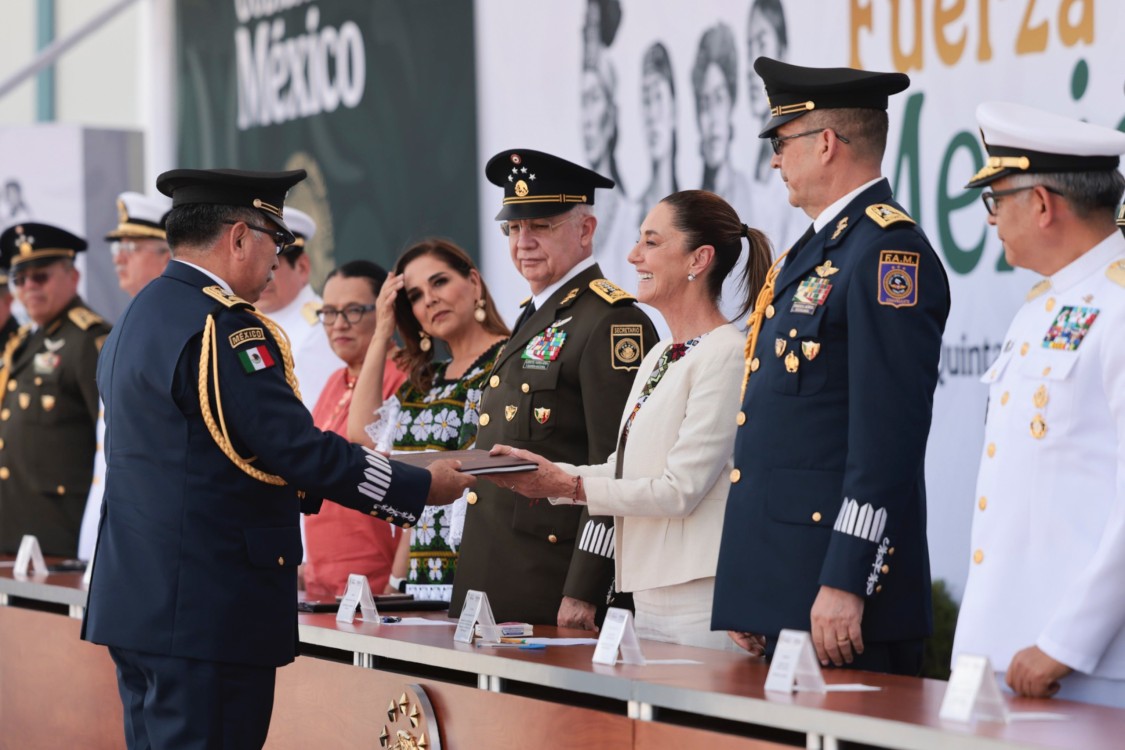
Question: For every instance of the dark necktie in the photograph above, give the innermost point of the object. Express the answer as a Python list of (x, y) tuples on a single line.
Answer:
[(524, 316), (799, 244)]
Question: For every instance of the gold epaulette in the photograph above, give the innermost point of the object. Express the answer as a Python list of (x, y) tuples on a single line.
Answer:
[(84, 318), (1116, 272), (1039, 288), (220, 295), (610, 292), (309, 311), (886, 215)]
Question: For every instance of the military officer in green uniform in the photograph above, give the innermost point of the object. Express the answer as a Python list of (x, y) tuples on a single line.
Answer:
[(10, 326), (558, 388), (48, 396)]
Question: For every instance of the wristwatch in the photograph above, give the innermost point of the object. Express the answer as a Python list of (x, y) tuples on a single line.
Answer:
[(399, 584)]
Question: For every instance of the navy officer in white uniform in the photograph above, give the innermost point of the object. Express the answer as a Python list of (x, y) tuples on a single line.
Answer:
[(211, 456), (1044, 596)]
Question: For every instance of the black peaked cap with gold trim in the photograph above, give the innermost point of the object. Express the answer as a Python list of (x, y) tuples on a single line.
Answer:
[(31, 243), (537, 185), (794, 90), (264, 191), (1025, 140)]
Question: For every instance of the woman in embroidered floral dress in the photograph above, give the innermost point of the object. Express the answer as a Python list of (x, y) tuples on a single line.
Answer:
[(435, 292), (666, 484), (339, 541)]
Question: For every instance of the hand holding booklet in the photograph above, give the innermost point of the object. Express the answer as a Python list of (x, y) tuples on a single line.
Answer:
[(473, 461)]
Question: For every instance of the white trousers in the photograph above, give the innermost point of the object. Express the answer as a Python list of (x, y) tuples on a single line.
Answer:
[(680, 614)]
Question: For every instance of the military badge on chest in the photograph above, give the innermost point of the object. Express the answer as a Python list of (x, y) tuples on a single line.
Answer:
[(544, 348), (1069, 328), (811, 294), (45, 363)]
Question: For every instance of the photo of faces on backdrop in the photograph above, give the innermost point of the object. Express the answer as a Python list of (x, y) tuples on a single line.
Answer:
[(710, 86)]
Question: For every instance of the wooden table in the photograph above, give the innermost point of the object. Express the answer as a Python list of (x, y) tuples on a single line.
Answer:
[(56, 691)]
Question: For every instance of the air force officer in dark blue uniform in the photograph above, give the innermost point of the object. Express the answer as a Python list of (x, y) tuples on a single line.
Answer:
[(210, 455), (825, 527)]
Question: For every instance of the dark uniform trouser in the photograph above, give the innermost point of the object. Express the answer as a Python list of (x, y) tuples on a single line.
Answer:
[(173, 703)]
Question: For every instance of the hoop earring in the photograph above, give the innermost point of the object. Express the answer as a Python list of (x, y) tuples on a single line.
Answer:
[(691, 277), (425, 344), (479, 314)]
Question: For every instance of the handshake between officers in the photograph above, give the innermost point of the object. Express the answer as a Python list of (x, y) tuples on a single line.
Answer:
[(211, 458)]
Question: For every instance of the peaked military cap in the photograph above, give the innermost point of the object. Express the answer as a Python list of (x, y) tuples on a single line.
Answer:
[(140, 216), (1025, 140), (537, 185), (303, 228), (31, 243), (794, 90), (264, 191)]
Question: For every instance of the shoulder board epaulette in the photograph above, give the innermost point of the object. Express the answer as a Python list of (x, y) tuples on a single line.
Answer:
[(1116, 272), (309, 311), (83, 318), (217, 293), (610, 292), (524, 301), (1042, 286), (886, 215)]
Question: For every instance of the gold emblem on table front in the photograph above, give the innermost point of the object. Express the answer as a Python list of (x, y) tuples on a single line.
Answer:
[(411, 722)]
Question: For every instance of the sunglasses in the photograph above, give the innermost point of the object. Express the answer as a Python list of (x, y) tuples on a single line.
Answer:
[(39, 277)]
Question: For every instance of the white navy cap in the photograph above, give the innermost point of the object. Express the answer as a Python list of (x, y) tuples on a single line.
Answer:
[(1025, 140), (301, 225), (140, 215)]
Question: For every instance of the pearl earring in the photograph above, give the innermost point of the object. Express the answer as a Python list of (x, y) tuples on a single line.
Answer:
[(691, 277), (425, 343)]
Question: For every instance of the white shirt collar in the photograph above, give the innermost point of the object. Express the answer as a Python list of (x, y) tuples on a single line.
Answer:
[(830, 213), (579, 267), (1091, 261), (201, 269)]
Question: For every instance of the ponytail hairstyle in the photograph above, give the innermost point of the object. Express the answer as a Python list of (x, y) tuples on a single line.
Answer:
[(707, 219), (417, 364)]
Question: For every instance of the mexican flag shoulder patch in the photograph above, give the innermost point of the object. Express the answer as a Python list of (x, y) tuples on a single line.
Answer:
[(257, 358)]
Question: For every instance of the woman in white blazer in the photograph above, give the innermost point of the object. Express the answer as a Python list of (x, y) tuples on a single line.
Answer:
[(666, 485)]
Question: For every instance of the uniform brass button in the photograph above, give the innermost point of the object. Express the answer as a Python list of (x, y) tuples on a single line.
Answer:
[(739, 420), (886, 569), (1050, 304), (96, 480), (4, 472), (891, 551), (494, 381), (525, 388), (878, 589), (755, 364), (552, 539), (484, 420), (769, 311), (101, 413), (1023, 349), (471, 498), (816, 516), (375, 513), (407, 526), (5, 414), (991, 450), (978, 556), (1, 444), (1046, 371), (1004, 398), (1041, 396), (12, 385), (281, 561), (100, 449), (1038, 427), (39, 381), (735, 475), (983, 502), (792, 333), (61, 490)]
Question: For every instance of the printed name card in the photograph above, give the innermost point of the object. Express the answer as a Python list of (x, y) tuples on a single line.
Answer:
[(972, 692), (794, 665), (476, 609), (618, 633), (29, 556), (358, 594)]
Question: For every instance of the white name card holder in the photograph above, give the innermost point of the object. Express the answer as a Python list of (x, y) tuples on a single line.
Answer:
[(618, 633), (476, 609), (972, 692), (29, 556), (794, 665), (358, 594)]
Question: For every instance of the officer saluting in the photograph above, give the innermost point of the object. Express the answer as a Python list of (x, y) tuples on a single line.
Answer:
[(48, 396), (210, 453), (825, 527), (558, 389)]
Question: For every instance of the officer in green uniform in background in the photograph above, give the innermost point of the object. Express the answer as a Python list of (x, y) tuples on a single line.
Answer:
[(48, 397), (558, 388)]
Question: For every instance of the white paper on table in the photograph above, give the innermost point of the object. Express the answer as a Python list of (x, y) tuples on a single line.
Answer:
[(561, 641), (843, 687), (1036, 716), (420, 621), (649, 662)]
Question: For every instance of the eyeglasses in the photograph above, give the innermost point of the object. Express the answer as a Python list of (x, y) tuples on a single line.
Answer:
[(352, 314), (991, 198), (39, 277), (280, 238), (129, 247), (533, 228), (776, 141)]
